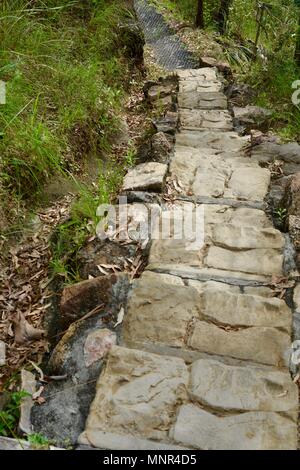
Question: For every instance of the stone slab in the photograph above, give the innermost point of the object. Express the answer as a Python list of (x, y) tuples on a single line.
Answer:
[(234, 237), (137, 395), (113, 441), (225, 142), (146, 176), (202, 100), (205, 119), (257, 344), (265, 262), (248, 431), (249, 183), (242, 388)]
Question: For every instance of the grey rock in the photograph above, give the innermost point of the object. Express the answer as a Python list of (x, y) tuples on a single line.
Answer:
[(146, 176), (62, 417), (167, 124), (28, 384), (248, 431), (160, 148), (7, 443), (244, 388)]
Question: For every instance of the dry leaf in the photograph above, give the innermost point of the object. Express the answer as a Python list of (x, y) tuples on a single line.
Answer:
[(25, 332), (120, 317)]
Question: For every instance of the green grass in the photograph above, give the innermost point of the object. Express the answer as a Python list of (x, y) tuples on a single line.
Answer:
[(66, 66), (275, 70)]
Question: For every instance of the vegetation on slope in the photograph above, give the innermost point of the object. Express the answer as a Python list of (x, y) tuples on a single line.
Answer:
[(275, 68), (66, 66)]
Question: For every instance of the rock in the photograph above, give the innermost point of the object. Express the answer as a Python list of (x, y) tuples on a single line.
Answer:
[(199, 80), (122, 136), (208, 173), (79, 355), (97, 345), (296, 315), (2, 353), (269, 152), (242, 388), (207, 119), (292, 196), (250, 183), (225, 142), (240, 94), (113, 441), (251, 116), (146, 176), (154, 322), (167, 124), (294, 230), (202, 100), (262, 345), (99, 252), (28, 384), (137, 395), (156, 92), (232, 236), (79, 299), (223, 67), (265, 262), (7, 443), (160, 148), (199, 429)]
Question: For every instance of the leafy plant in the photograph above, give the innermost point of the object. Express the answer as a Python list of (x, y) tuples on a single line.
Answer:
[(38, 441), (9, 417)]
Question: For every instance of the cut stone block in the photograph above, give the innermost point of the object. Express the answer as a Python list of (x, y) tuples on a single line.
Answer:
[(113, 441), (205, 139), (137, 395), (232, 236), (197, 119), (147, 176), (249, 184), (167, 317), (200, 85), (164, 317), (204, 73), (264, 262), (245, 388), (262, 345), (248, 431), (202, 100), (222, 306)]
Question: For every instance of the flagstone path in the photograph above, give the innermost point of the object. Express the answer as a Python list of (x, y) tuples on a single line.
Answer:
[(203, 361), (205, 346)]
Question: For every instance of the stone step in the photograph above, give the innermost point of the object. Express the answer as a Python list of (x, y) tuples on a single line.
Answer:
[(193, 119), (192, 100), (146, 401), (202, 139), (202, 173), (187, 236), (208, 317)]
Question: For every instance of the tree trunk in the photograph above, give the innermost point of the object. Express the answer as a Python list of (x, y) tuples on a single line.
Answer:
[(200, 16), (297, 51), (222, 14)]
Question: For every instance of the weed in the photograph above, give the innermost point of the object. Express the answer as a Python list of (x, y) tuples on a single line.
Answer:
[(37, 441), (9, 417)]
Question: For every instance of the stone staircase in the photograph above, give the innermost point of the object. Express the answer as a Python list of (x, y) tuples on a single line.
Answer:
[(204, 355)]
